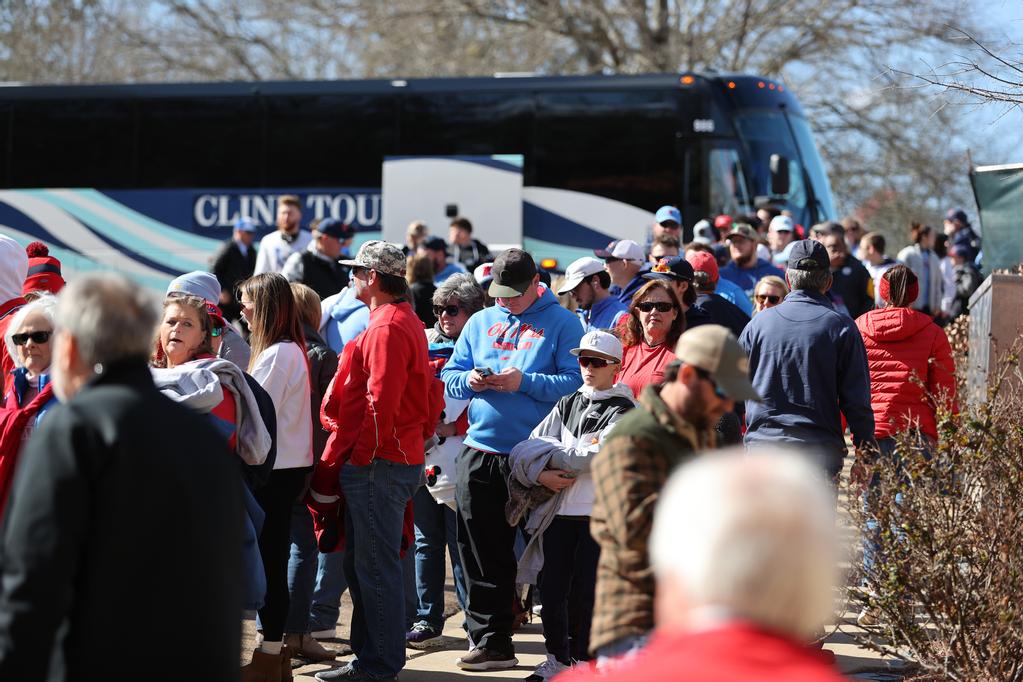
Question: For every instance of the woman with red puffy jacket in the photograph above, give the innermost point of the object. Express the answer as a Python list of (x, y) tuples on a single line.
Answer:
[(911, 373), (910, 361)]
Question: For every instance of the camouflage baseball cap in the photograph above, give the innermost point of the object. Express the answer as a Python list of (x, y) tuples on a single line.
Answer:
[(380, 256)]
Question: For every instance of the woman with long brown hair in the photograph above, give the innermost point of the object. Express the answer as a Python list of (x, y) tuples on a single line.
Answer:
[(279, 365), (925, 264), (656, 321)]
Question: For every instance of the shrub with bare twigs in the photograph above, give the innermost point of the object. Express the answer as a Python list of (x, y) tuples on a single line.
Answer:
[(946, 587)]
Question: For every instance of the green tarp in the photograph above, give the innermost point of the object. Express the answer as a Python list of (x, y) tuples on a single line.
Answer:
[(999, 194)]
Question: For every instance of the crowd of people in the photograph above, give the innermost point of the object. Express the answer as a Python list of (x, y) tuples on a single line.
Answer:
[(301, 421)]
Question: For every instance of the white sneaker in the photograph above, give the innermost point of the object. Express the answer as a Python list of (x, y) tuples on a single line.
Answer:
[(547, 670)]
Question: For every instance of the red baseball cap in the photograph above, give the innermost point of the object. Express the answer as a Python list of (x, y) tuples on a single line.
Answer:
[(704, 262), (723, 222), (216, 316)]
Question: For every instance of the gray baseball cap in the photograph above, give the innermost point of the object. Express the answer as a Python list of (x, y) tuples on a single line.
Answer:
[(380, 256)]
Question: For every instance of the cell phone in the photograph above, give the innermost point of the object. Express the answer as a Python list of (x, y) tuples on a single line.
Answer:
[(485, 371)]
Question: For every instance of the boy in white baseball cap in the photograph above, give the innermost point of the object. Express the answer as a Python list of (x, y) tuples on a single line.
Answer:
[(557, 456)]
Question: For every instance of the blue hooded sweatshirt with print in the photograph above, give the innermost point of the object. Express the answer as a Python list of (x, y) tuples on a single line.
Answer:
[(537, 342)]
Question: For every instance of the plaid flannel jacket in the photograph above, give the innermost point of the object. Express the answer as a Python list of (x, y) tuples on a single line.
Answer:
[(628, 473)]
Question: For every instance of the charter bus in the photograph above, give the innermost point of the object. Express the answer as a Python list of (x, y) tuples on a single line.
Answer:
[(148, 179)]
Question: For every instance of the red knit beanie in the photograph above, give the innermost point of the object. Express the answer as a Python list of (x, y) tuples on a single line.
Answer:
[(43, 270)]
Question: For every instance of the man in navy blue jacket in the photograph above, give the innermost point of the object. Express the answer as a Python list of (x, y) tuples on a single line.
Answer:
[(809, 364)]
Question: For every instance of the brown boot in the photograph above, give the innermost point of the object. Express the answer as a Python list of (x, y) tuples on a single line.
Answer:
[(305, 646), (265, 667), (286, 654)]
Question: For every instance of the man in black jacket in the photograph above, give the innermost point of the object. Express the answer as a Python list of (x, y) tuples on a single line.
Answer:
[(465, 249), (317, 266), (234, 263), (853, 286), (124, 526)]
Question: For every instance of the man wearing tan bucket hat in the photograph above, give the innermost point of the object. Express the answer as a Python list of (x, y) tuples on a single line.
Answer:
[(673, 421)]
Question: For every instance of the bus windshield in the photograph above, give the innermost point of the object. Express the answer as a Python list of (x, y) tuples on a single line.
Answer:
[(767, 132)]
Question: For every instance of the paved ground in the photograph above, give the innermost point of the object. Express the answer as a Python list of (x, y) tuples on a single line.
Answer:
[(438, 664)]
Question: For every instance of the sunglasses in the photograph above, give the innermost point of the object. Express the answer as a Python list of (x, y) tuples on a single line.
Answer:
[(450, 310), (768, 298), (705, 375), (587, 361), (36, 337), (659, 306)]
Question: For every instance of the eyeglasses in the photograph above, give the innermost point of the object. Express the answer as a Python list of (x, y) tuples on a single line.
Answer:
[(450, 310), (659, 306), (705, 375), (36, 337), (768, 298), (587, 361)]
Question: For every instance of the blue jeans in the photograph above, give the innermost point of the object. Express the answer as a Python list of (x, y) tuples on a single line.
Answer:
[(435, 530), (301, 570), (316, 581), (375, 497), (330, 585), (871, 541)]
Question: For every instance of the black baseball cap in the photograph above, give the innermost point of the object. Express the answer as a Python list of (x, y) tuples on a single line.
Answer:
[(513, 273), (332, 227), (435, 244), (808, 255), (675, 268)]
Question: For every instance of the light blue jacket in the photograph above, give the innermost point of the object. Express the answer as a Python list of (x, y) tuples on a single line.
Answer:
[(538, 344)]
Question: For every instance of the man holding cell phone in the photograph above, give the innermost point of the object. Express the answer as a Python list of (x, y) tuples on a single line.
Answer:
[(514, 361)]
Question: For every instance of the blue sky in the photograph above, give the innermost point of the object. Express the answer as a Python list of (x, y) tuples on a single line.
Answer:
[(997, 128)]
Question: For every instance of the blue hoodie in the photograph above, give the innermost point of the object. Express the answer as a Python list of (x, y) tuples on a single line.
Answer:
[(537, 343), (347, 319)]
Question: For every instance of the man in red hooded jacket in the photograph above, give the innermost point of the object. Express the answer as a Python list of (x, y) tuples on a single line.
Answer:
[(13, 269), (381, 407)]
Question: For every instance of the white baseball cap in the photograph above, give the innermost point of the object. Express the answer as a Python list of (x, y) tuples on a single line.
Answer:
[(483, 274), (703, 233), (781, 223), (579, 270), (622, 249), (600, 342)]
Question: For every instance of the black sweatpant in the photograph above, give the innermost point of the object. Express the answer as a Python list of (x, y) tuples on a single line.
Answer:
[(276, 499), (568, 585), (486, 546)]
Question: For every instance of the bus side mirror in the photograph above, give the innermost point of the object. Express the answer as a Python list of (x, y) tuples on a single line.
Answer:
[(779, 175)]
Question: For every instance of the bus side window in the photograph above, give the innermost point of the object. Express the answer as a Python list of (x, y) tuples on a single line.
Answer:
[(728, 193)]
